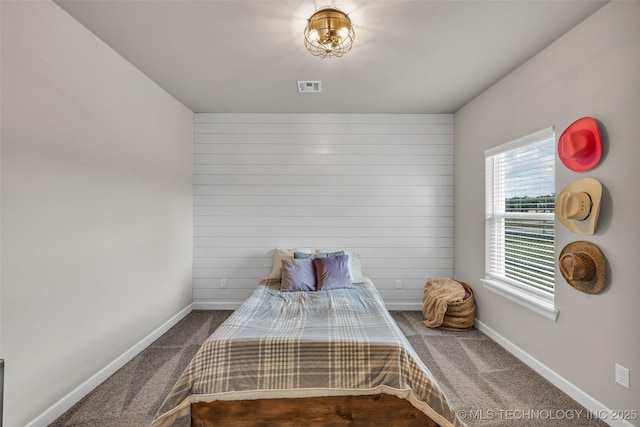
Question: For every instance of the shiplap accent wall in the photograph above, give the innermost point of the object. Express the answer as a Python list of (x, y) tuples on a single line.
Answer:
[(378, 184)]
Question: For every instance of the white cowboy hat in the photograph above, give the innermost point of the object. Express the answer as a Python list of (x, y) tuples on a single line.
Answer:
[(578, 205)]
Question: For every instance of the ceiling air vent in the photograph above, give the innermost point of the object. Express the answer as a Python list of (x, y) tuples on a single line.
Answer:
[(309, 86)]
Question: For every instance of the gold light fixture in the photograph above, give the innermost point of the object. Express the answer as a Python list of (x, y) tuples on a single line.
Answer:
[(329, 33)]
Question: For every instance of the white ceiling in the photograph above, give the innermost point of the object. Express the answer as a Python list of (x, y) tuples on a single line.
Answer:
[(408, 56)]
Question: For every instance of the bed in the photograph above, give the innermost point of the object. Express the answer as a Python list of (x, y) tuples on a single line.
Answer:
[(329, 357)]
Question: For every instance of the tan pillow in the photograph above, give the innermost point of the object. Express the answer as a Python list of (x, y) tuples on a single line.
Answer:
[(278, 255)]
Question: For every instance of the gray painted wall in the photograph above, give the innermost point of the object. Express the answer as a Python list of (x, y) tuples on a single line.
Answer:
[(591, 71), (96, 206)]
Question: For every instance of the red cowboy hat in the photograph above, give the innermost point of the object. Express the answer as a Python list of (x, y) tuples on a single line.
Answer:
[(579, 146)]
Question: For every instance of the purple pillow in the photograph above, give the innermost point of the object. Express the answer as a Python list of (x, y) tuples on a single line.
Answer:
[(298, 275), (332, 272)]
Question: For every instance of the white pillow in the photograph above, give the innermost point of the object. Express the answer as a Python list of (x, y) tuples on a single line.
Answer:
[(278, 255), (355, 268)]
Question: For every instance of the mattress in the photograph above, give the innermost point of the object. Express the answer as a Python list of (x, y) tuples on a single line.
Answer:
[(307, 344)]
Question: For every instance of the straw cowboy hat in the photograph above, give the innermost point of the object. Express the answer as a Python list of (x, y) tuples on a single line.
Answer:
[(580, 146), (582, 266), (578, 205)]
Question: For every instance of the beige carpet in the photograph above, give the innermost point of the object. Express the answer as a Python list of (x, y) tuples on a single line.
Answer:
[(488, 385)]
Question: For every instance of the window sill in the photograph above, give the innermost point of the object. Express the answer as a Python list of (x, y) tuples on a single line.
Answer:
[(532, 302)]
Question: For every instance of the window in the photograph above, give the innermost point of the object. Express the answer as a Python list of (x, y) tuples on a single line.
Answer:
[(520, 202)]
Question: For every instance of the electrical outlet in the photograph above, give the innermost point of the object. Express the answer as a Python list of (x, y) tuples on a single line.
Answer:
[(223, 283), (398, 284), (622, 376)]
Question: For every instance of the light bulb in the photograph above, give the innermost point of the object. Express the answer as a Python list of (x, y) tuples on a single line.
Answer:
[(313, 36)]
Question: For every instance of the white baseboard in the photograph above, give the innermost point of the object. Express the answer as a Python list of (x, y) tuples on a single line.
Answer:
[(64, 404), (563, 384)]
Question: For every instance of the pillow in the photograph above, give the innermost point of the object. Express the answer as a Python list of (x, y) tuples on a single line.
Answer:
[(355, 268), (298, 275), (304, 255), (278, 255), (332, 272)]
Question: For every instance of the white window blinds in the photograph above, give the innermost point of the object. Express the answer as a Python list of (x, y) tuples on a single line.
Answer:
[(520, 201)]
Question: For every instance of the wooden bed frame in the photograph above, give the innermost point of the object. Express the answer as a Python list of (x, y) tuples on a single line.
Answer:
[(381, 410)]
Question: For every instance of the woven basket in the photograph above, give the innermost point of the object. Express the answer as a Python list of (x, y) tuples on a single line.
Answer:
[(460, 315)]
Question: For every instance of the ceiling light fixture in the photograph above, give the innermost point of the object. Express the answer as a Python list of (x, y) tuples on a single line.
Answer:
[(329, 33)]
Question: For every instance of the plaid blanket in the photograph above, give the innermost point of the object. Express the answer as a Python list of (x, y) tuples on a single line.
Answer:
[(306, 344)]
